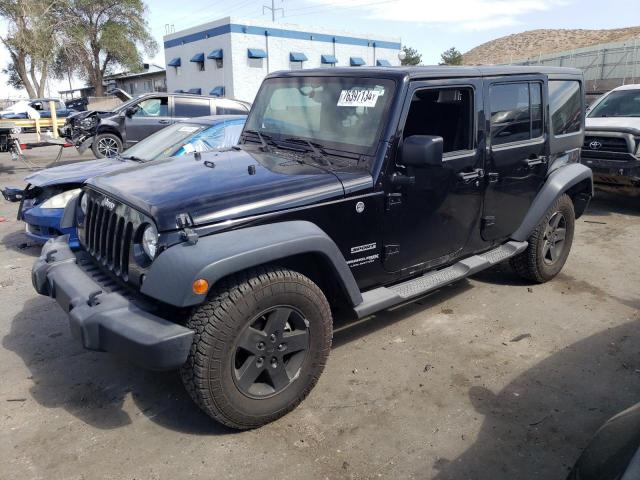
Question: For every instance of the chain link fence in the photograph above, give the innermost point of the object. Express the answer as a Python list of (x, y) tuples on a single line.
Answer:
[(605, 66)]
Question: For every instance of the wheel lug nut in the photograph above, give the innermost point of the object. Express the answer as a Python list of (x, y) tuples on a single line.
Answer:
[(274, 362), (282, 346), (260, 345), (272, 337), (259, 361)]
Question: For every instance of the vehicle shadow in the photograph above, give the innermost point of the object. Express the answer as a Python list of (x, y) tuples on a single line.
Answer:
[(94, 386), (19, 242), (606, 203), (537, 426)]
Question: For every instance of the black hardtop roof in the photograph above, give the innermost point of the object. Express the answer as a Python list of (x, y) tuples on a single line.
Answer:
[(435, 71)]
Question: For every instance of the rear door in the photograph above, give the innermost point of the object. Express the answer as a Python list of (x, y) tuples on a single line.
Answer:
[(152, 115), (516, 151)]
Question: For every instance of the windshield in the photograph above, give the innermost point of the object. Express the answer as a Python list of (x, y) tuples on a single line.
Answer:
[(183, 138), (622, 103), (343, 113)]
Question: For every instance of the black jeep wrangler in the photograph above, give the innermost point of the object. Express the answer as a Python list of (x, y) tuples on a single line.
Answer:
[(355, 189)]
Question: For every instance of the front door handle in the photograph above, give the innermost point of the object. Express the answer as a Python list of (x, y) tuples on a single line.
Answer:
[(533, 161), (467, 177), (164, 122)]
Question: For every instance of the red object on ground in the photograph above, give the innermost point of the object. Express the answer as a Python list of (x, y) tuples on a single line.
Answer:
[(3, 219), (23, 146)]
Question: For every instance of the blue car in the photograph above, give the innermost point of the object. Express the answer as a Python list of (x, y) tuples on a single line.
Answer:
[(42, 202)]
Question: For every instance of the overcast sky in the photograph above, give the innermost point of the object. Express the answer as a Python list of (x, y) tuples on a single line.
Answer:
[(429, 26)]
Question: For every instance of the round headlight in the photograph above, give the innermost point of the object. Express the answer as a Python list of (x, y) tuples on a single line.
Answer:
[(150, 241), (84, 203)]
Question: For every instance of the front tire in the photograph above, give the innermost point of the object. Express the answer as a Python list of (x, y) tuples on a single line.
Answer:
[(261, 342), (106, 145), (549, 244)]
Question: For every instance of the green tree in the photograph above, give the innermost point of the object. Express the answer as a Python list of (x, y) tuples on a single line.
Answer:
[(13, 79), (451, 57), (31, 39), (104, 34), (411, 56)]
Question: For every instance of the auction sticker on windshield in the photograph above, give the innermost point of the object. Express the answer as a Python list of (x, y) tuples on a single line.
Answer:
[(359, 98)]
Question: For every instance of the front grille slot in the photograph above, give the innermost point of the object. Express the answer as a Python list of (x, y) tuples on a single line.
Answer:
[(108, 238), (606, 144)]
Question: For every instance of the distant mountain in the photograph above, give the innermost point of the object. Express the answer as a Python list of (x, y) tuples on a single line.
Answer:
[(530, 44)]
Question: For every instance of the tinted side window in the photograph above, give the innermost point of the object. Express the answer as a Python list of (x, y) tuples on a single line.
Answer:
[(565, 104), (510, 118), (516, 112), (536, 109), (191, 107), (226, 107)]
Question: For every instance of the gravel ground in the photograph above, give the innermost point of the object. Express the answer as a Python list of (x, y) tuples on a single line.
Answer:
[(491, 378)]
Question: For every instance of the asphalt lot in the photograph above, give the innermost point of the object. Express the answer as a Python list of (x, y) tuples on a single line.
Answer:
[(491, 378)]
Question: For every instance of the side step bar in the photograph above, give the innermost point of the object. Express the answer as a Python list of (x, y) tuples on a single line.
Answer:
[(385, 297)]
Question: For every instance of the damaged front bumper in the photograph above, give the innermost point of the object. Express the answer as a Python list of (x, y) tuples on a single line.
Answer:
[(105, 320)]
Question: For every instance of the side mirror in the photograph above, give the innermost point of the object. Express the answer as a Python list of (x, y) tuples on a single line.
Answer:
[(422, 151), (131, 111)]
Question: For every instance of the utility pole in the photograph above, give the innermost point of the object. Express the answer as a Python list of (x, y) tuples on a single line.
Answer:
[(273, 10)]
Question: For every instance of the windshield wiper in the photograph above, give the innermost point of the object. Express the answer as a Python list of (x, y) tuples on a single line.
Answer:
[(261, 136), (318, 150)]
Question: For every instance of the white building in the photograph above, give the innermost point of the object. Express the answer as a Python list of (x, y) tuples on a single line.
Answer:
[(229, 57)]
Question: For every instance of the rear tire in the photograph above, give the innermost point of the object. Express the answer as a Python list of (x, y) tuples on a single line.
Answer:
[(549, 244), (261, 342), (106, 145)]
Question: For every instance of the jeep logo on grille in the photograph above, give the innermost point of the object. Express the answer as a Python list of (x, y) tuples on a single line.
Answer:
[(595, 145), (108, 203)]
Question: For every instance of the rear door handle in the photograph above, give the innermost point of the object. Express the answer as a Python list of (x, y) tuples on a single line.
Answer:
[(533, 161)]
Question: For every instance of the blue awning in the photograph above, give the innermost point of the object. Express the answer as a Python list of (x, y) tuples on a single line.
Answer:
[(256, 53), (217, 91), (328, 59), (215, 55), (297, 57), (198, 57), (178, 91), (197, 91), (356, 62), (383, 63), (175, 62)]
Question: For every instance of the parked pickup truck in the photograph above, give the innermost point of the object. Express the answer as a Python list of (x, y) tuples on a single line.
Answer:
[(612, 141), (353, 190)]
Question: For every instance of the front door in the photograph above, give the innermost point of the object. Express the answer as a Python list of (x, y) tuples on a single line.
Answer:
[(152, 115), (517, 157), (432, 211)]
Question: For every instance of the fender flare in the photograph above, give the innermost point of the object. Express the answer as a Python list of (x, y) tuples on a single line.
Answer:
[(558, 182), (214, 257)]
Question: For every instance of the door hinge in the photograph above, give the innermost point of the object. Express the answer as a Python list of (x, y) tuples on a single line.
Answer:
[(493, 177), (393, 200), (390, 250)]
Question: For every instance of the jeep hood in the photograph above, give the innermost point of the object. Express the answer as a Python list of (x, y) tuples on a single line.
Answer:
[(225, 185), (614, 124), (75, 172)]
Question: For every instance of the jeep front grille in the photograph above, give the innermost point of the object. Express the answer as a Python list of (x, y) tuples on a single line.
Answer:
[(108, 237), (605, 144)]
